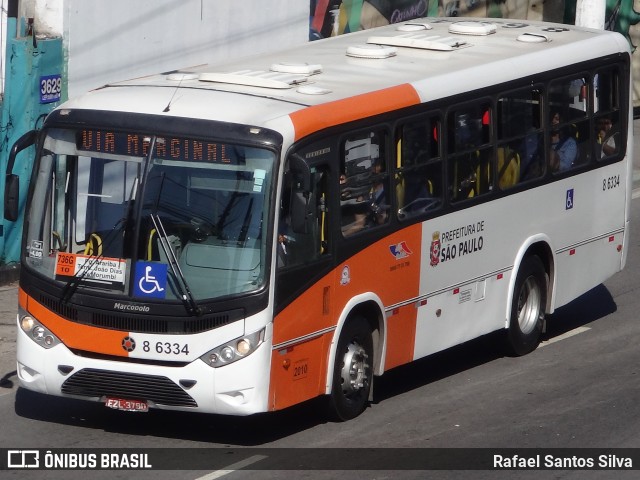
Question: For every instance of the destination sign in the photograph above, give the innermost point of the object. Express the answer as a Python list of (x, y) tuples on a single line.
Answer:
[(110, 271), (166, 148)]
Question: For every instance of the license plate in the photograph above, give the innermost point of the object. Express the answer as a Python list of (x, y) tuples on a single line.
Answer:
[(127, 405)]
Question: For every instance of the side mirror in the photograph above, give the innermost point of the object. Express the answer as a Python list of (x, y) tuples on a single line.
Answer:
[(11, 197), (12, 181)]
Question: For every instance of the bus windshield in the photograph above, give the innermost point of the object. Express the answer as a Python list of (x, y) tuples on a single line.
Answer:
[(150, 217)]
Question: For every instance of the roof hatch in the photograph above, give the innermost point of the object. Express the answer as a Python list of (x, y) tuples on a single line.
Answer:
[(371, 51), (414, 27), (297, 68), (255, 78), (529, 37), (280, 76), (472, 28), (421, 41)]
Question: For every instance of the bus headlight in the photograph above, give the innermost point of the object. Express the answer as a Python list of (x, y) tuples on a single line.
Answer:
[(234, 350), (38, 332)]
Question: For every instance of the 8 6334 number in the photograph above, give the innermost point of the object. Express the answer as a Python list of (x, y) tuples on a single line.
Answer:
[(166, 348), (610, 182)]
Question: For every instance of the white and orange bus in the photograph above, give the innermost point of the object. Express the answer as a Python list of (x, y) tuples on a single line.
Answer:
[(242, 238)]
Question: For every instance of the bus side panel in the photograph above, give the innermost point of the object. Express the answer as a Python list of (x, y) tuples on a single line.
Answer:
[(401, 336), (299, 356), (461, 314), (390, 269), (597, 261), (465, 274), (296, 372), (590, 239), (309, 314), (589, 235)]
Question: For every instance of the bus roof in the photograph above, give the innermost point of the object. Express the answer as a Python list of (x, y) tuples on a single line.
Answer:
[(359, 74)]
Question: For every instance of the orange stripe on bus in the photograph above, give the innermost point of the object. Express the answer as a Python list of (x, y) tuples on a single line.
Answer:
[(317, 117), (22, 298), (78, 336)]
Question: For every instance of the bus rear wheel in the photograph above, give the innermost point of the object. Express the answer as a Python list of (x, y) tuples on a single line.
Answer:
[(352, 371), (528, 307)]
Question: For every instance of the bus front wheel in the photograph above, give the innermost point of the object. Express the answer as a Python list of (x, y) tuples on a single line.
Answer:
[(528, 307), (352, 371)]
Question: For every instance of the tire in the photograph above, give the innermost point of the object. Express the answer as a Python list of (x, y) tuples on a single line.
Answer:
[(352, 371), (528, 307)]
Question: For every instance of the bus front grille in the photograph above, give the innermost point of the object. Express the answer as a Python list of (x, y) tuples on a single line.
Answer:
[(91, 382), (141, 323)]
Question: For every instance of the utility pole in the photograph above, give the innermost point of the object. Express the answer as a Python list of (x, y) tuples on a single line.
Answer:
[(591, 13)]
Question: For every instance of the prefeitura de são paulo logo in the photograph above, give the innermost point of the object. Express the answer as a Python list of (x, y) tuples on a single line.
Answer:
[(435, 249)]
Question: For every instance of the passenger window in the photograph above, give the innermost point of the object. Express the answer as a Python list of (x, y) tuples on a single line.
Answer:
[(418, 178), (469, 161), (608, 137), (364, 182), (520, 152), (608, 134), (568, 125)]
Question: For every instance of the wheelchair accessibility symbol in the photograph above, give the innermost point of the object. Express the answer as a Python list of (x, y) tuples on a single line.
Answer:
[(150, 280), (569, 200)]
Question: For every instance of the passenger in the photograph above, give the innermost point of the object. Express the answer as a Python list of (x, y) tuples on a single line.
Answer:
[(564, 149), (531, 165), (366, 209), (378, 198), (283, 249), (606, 141), (354, 216)]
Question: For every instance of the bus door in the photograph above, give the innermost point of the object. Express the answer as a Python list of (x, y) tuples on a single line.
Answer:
[(303, 311)]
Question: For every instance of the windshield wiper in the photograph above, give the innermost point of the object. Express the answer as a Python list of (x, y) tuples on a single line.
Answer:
[(186, 296), (242, 236), (181, 282), (72, 285)]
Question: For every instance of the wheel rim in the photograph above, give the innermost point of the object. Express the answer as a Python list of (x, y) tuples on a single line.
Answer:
[(529, 305), (355, 370)]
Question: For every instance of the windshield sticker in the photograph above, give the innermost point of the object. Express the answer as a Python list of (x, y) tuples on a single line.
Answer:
[(258, 179), (150, 280), (35, 249), (106, 271)]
